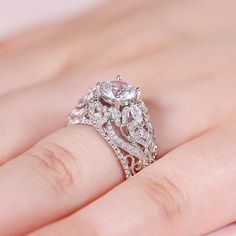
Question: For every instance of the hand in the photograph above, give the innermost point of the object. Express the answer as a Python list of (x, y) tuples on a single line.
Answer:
[(183, 58)]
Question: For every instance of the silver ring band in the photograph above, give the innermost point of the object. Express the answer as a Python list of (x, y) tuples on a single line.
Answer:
[(116, 111)]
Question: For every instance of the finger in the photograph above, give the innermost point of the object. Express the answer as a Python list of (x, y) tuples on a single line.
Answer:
[(29, 114), (188, 192), (42, 53), (226, 231), (30, 65), (59, 175), (34, 55), (29, 37)]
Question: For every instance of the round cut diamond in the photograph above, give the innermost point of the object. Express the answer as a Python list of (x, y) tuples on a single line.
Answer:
[(119, 90)]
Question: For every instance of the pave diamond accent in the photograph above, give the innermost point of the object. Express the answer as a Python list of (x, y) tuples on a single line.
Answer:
[(125, 115), (116, 115), (137, 113), (126, 146), (122, 119)]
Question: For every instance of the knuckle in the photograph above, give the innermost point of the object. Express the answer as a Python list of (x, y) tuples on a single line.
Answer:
[(55, 164), (164, 194)]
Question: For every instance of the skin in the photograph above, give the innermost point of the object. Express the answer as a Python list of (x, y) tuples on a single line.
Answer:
[(67, 181)]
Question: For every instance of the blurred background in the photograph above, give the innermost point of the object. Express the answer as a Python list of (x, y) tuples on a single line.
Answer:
[(16, 15)]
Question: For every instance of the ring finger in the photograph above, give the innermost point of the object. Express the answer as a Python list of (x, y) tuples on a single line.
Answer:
[(171, 197)]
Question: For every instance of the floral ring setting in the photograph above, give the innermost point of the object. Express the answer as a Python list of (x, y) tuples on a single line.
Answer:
[(115, 109)]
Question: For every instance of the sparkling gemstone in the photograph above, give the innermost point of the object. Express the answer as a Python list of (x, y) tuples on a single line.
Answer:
[(125, 115), (116, 115), (82, 102), (142, 133), (113, 90), (137, 113), (90, 95), (79, 111)]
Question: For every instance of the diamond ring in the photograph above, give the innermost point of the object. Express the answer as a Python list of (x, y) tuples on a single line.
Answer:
[(116, 111)]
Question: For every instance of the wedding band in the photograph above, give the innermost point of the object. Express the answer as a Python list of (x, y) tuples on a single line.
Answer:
[(116, 111)]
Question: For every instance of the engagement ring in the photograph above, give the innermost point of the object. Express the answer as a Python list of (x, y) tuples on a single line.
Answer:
[(116, 111)]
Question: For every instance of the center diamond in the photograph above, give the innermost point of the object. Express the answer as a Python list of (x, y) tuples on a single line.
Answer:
[(118, 90)]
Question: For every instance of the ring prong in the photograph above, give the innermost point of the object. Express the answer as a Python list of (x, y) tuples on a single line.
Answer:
[(98, 85), (118, 77), (138, 89)]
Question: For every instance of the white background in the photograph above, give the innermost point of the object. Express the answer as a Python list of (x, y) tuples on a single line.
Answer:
[(16, 15)]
